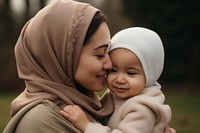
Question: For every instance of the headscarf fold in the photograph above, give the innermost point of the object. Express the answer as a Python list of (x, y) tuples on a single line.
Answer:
[(47, 55), (147, 46)]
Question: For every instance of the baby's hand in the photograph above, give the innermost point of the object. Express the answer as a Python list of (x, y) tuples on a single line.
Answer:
[(169, 130), (76, 116)]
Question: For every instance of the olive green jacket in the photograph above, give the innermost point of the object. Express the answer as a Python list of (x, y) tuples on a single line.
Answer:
[(41, 116)]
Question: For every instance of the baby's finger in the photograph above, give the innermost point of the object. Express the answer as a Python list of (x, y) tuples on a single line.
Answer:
[(65, 114), (173, 130), (76, 107), (69, 109)]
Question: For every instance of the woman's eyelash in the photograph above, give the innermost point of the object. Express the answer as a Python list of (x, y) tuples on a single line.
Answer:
[(100, 56)]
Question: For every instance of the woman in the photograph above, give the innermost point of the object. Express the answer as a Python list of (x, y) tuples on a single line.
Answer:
[(61, 55)]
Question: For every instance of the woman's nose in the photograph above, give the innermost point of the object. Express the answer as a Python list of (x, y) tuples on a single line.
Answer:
[(107, 63)]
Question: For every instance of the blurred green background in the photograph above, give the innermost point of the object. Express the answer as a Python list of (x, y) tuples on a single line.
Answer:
[(177, 22)]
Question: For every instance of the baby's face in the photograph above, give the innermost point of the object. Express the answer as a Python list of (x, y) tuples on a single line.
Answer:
[(127, 78)]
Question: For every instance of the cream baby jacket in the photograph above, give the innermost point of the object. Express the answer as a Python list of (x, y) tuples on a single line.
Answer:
[(145, 113)]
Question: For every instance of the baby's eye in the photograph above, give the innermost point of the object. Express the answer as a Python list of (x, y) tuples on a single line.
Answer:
[(131, 73)]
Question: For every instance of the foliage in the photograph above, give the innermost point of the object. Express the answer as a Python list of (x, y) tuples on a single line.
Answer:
[(177, 23), (184, 105)]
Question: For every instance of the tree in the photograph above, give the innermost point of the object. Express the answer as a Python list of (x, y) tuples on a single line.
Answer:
[(9, 32), (177, 23)]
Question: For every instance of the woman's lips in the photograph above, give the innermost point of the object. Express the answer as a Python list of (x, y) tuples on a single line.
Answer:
[(102, 76)]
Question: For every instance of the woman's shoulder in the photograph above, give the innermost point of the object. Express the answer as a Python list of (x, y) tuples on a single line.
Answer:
[(44, 117), (43, 112)]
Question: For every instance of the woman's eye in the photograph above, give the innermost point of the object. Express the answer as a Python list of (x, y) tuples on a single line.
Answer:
[(100, 56), (101, 53)]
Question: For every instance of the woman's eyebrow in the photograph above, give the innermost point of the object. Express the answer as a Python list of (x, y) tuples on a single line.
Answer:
[(102, 46)]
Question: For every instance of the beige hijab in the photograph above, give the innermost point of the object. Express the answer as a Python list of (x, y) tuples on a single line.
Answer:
[(47, 55)]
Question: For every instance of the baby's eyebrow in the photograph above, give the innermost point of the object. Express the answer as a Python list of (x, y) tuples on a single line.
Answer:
[(132, 67)]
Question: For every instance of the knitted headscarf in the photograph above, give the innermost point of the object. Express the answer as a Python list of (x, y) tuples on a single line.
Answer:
[(47, 55), (147, 46)]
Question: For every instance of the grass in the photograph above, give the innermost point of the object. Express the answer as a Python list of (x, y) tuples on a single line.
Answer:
[(5, 101), (185, 105), (184, 102)]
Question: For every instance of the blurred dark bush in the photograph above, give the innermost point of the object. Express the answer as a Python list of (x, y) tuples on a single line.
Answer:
[(177, 22)]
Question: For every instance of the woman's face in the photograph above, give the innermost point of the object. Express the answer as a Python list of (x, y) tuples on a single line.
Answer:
[(94, 61)]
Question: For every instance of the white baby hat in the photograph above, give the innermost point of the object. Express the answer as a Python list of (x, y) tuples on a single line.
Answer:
[(147, 46)]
